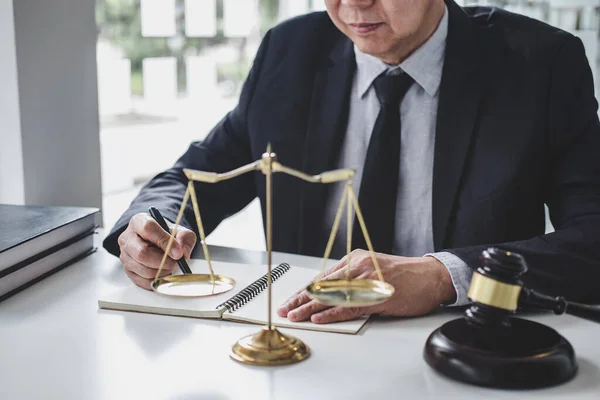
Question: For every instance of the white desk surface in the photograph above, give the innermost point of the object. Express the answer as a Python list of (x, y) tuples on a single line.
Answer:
[(56, 344)]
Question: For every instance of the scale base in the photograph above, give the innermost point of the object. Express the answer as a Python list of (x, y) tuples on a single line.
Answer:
[(269, 347), (524, 355)]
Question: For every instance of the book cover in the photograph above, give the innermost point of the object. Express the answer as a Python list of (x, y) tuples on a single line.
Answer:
[(29, 231)]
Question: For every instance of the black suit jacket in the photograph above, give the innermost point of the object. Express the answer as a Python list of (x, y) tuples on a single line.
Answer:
[(517, 128)]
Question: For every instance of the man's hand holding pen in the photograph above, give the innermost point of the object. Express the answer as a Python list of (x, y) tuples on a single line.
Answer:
[(142, 247)]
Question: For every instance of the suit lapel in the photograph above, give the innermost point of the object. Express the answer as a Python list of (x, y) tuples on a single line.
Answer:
[(459, 98), (326, 129)]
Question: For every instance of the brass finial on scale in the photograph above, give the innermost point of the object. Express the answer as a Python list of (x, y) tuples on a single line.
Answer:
[(270, 346)]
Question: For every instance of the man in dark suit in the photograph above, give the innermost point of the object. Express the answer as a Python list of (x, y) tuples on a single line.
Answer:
[(461, 123)]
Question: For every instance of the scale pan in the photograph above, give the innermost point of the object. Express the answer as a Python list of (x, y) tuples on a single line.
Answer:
[(192, 285), (350, 293)]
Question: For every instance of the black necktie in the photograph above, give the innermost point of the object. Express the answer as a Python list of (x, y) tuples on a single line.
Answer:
[(379, 183)]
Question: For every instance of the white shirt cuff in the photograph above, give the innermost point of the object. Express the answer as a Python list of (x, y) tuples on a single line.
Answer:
[(460, 273)]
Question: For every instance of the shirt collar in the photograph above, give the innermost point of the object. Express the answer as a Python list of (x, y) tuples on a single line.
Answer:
[(424, 65)]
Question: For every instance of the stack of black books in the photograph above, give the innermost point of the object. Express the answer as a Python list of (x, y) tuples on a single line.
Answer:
[(36, 241)]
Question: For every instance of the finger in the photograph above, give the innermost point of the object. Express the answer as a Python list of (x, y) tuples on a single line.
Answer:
[(187, 240), (293, 302), (337, 314), (147, 254), (343, 272), (357, 257), (138, 280), (301, 297), (301, 307), (139, 269), (305, 311), (361, 266), (319, 277), (325, 275), (334, 268), (148, 229), (337, 271)]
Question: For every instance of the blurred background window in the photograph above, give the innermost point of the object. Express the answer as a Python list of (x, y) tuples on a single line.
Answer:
[(169, 70)]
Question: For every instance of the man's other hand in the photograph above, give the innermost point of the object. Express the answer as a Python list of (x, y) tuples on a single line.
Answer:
[(422, 284), (143, 244)]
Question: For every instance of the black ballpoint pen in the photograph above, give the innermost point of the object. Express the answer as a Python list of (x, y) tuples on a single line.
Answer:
[(154, 213)]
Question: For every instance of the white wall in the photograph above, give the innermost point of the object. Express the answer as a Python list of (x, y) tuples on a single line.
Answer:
[(56, 64), (12, 188)]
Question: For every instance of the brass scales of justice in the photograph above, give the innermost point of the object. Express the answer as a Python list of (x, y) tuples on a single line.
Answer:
[(270, 346)]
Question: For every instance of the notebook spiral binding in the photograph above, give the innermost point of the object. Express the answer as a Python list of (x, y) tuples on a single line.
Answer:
[(252, 290)]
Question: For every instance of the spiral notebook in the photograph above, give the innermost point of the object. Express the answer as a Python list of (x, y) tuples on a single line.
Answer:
[(246, 302)]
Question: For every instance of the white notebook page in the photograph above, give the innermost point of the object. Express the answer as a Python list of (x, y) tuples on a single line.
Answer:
[(134, 298), (289, 283)]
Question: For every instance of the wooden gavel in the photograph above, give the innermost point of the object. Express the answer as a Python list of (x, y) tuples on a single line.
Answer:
[(490, 347), (497, 289)]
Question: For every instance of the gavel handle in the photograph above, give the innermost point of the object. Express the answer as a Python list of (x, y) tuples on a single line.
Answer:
[(559, 305)]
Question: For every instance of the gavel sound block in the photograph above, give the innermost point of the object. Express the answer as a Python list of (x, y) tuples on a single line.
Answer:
[(490, 347)]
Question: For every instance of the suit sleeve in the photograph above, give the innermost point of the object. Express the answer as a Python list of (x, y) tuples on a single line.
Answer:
[(225, 148), (567, 261)]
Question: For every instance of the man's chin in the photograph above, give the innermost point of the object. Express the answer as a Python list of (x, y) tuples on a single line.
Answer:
[(370, 47)]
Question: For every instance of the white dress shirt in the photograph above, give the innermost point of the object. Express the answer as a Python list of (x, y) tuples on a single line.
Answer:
[(418, 113)]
